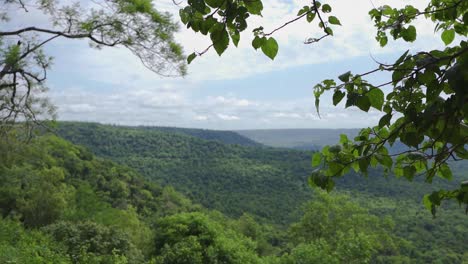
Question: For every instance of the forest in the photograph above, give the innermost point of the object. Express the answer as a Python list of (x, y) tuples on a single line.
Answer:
[(122, 195), (392, 188)]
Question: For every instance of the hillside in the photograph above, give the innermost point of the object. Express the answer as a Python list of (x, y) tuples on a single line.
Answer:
[(267, 182), (271, 184), (227, 137)]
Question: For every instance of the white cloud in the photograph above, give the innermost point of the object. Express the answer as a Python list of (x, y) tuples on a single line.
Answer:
[(227, 117), (112, 86)]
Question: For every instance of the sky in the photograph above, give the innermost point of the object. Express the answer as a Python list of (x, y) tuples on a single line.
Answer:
[(243, 89)]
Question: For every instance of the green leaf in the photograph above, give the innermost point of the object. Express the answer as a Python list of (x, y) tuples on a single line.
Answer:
[(363, 103), (402, 58), (385, 160), (326, 8), (235, 36), (337, 97), (254, 6), (310, 17), (220, 39), (343, 139), (214, 3), (270, 48), (376, 97), (257, 42), (199, 5), (409, 34), (448, 36), (363, 164), (427, 202), (445, 171), (334, 20), (303, 10), (191, 57), (316, 159), (408, 172), (383, 41), (385, 120), (345, 76)]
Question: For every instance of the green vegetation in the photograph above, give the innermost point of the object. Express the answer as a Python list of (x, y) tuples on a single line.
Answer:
[(233, 179), (61, 204), (425, 107), (218, 175), (133, 24)]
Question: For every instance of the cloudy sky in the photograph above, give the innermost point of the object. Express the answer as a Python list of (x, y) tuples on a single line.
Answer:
[(243, 89)]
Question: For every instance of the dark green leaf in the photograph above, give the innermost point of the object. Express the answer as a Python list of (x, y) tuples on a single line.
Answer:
[(214, 3), (191, 57), (448, 36), (270, 48), (254, 6), (303, 10), (376, 97), (385, 120), (235, 36), (409, 34), (402, 58), (345, 76), (220, 40), (257, 42), (338, 96), (310, 17), (445, 171), (334, 20), (363, 103), (326, 8)]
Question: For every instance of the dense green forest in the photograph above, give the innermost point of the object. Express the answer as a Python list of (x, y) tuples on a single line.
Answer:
[(62, 204)]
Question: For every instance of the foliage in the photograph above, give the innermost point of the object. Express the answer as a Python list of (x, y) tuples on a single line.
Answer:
[(133, 24), (100, 243), (223, 21), (18, 245), (245, 182), (427, 104), (425, 109), (194, 238), (110, 214), (326, 226), (244, 177)]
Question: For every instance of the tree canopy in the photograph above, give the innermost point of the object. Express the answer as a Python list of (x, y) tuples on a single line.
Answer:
[(133, 24), (426, 108)]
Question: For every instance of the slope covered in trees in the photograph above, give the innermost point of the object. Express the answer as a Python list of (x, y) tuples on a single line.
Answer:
[(231, 178), (227, 178), (61, 204)]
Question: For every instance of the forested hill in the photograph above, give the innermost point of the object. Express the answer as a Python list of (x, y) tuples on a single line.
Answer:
[(267, 182), (223, 136)]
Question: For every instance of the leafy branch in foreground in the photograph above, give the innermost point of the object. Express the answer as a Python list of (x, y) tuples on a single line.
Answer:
[(426, 104), (133, 24), (224, 20), (426, 108)]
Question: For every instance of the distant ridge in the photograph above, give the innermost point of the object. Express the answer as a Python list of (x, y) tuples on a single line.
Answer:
[(223, 136), (305, 139)]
